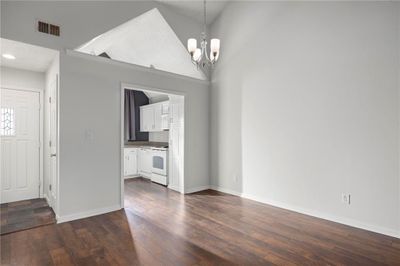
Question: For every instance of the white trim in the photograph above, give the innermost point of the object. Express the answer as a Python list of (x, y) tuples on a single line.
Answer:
[(85, 214), (122, 143), (41, 129), (131, 176), (142, 87), (47, 199), (174, 188), (196, 189), (57, 203), (326, 216), (226, 190), (133, 66), (321, 215)]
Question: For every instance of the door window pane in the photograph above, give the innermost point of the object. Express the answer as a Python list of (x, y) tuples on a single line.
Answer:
[(7, 122)]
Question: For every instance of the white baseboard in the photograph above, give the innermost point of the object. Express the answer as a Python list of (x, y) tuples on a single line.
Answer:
[(85, 214), (325, 216), (131, 176), (177, 189), (196, 189), (225, 190)]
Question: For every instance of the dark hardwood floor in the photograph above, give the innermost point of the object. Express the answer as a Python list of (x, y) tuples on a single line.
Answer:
[(162, 227), (25, 214)]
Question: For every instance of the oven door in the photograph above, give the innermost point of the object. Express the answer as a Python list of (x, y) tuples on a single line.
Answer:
[(159, 162)]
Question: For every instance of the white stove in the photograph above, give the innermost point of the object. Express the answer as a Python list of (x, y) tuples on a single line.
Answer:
[(159, 165)]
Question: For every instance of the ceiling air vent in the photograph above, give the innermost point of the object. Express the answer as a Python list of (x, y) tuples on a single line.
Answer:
[(48, 28)]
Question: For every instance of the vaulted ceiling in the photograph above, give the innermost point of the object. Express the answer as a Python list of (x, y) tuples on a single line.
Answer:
[(194, 8), (146, 40)]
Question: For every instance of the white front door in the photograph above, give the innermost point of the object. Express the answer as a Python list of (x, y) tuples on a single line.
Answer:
[(20, 145)]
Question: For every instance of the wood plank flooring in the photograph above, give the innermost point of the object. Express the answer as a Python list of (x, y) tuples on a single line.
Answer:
[(162, 227), (25, 214)]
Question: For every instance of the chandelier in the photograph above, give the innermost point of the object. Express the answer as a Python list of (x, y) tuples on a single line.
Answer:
[(199, 56)]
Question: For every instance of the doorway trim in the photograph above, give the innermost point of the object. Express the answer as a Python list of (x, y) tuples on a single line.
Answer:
[(122, 137), (41, 125)]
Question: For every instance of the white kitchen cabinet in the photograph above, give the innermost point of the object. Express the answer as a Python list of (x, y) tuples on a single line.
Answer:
[(165, 122), (154, 117), (130, 162), (165, 115), (165, 108), (145, 162), (147, 118), (157, 117)]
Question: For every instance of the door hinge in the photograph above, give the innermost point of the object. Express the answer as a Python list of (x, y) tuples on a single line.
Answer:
[(49, 99), (50, 187), (50, 143)]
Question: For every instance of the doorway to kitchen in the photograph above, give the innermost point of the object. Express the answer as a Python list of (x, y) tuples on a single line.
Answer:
[(152, 139)]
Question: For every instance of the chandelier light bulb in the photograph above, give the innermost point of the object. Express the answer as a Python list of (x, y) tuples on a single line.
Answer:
[(197, 55), (212, 57), (215, 43), (192, 45)]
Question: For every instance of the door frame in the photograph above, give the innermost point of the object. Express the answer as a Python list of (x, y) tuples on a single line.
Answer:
[(54, 204), (122, 137), (41, 125)]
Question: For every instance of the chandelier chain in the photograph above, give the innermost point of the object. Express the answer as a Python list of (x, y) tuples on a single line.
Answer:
[(205, 19)]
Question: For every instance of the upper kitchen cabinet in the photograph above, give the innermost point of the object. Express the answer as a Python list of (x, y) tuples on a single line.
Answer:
[(154, 117), (147, 122)]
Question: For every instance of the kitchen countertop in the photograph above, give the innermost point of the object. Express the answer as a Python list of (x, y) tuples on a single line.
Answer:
[(137, 144)]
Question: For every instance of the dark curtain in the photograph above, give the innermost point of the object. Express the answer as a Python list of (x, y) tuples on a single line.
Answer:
[(133, 101), (129, 117)]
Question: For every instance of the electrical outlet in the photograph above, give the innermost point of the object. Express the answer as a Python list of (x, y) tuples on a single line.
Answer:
[(346, 198)]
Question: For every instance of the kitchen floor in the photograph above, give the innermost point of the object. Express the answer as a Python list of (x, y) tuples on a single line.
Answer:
[(26, 214)]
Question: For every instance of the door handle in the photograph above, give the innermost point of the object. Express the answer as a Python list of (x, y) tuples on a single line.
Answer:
[(53, 155)]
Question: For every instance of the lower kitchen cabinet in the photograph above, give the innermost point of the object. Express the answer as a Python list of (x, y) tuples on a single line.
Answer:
[(145, 162), (130, 162)]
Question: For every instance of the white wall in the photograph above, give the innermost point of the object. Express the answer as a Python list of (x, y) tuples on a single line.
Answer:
[(81, 21), (18, 78), (305, 106), (90, 162)]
